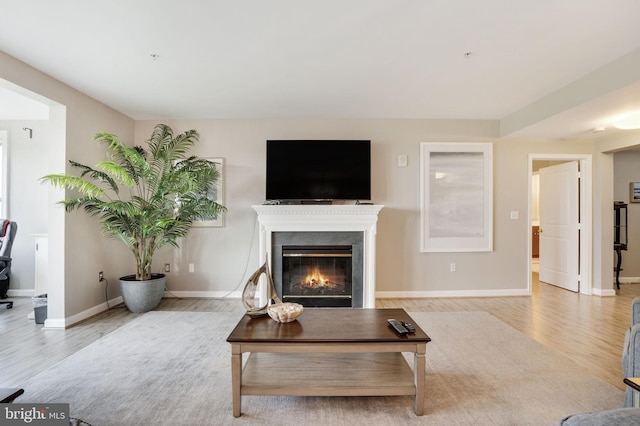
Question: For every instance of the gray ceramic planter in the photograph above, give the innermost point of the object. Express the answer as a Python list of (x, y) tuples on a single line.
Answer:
[(142, 296)]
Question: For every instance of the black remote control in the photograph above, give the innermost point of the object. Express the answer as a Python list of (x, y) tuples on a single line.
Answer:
[(399, 328), (408, 326)]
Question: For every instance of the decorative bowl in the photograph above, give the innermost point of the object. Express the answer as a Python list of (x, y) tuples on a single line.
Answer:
[(285, 312)]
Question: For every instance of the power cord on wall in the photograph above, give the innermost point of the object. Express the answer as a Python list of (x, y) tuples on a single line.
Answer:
[(246, 266), (168, 291), (106, 292)]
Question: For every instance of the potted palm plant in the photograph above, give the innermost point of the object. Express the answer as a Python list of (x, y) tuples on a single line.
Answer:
[(147, 198)]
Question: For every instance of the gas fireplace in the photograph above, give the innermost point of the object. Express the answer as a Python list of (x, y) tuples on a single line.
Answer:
[(319, 269), (317, 275)]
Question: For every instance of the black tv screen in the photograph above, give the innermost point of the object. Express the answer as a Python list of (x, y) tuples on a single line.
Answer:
[(318, 170)]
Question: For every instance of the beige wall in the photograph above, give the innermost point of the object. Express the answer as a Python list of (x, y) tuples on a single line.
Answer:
[(76, 249), (219, 255)]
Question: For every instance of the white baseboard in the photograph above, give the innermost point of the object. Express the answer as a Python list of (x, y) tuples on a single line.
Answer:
[(61, 323), (204, 294), (20, 293), (471, 293), (384, 294), (55, 323), (449, 293), (629, 280), (603, 293), (379, 294)]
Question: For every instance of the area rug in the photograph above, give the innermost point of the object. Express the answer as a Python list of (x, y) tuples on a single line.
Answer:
[(173, 368)]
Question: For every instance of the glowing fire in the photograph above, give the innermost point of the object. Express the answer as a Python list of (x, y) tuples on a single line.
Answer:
[(315, 279)]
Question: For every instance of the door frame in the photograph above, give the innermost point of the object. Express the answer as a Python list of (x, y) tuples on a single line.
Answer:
[(585, 190)]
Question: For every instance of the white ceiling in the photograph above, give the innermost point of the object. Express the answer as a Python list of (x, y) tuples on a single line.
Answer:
[(339, 58)]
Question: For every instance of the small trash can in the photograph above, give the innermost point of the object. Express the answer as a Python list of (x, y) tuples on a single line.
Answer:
[(40, 308)]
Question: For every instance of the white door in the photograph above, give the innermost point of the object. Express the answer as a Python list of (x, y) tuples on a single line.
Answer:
[(559, 225)]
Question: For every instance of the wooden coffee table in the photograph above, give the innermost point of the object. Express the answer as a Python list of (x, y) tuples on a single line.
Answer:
[(327, 352)]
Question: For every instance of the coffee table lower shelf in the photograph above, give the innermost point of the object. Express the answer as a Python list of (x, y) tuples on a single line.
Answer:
[(327, 374)]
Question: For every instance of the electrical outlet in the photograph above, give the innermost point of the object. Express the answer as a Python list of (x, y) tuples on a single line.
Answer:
[(452, 267), (100, 276), (167, 267)]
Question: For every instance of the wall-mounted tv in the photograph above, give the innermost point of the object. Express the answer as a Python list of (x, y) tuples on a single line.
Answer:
[(308, 170)]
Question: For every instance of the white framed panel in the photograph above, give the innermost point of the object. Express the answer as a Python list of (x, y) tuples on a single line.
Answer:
[(456, 197)]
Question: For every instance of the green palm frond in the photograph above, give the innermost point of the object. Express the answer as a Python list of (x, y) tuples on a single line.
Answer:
[(160, 137), (96, 175), (181, 144), (119, 173), (73, 182), (75, 203), (166, 194)]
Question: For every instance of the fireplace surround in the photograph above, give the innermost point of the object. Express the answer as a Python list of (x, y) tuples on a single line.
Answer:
[(320, 227)]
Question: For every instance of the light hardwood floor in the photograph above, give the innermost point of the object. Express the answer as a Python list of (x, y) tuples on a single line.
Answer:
[(587, 329)]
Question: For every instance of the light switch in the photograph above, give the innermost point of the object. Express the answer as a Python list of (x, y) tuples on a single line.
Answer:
[(402, 161), (515, 215)]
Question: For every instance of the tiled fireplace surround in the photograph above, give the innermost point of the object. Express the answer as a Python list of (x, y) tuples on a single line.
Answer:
[(322, 224)]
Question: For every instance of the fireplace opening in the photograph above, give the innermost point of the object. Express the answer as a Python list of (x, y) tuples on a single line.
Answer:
[(317, 276), (339, 258)]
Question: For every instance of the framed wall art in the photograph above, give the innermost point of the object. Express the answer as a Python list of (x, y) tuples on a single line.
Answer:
[(456, 197), (215, 194)]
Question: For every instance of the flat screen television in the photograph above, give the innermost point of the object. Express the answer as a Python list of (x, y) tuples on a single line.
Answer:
[(308, 170)]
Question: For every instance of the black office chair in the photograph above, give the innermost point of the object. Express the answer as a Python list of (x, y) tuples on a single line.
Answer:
[(8, 231)]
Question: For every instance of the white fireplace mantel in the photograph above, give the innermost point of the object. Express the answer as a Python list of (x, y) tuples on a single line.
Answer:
[(324, 218)]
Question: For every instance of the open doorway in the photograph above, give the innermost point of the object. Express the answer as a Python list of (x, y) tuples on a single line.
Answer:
[(536, 161), (626, 176), (35, 133)]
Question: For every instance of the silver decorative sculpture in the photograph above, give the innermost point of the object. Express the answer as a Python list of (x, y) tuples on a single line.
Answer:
[(250, 295)]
